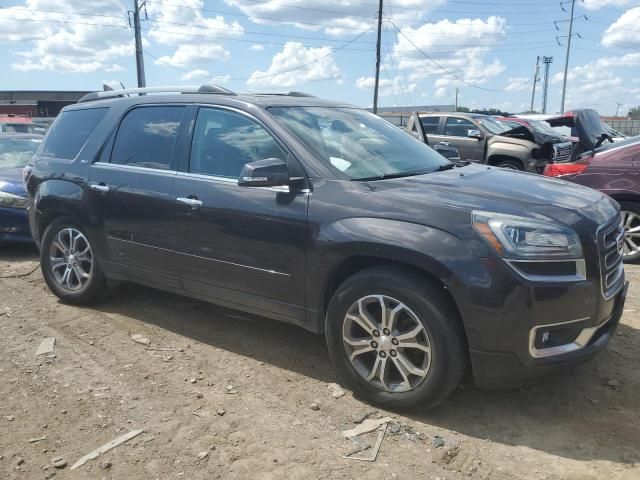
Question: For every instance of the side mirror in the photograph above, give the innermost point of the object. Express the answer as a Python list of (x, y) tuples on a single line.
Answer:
[(474, 134), (270, 172)]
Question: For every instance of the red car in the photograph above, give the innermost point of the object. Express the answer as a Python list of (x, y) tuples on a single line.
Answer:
[(612, 168)]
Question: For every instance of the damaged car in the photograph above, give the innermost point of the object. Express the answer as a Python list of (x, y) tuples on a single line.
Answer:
[(608, 166), (481, 139)]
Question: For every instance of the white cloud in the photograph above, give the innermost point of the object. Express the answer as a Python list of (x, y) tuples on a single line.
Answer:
[(197, 73), (459, 47), (334, 18), (598, 4), (187, 55), (624, 32), (257, 48), (387, 87), (296, 64), (518, 83), (186, 27), (64, 42)]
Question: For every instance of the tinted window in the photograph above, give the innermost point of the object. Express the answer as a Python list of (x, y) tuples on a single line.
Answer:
[(147, 137), (357, 144), (224, 141), (458, 127), (70, 131), (430, 124)]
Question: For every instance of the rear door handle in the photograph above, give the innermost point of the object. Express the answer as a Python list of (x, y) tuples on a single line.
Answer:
[(192, 203), (99, 187)]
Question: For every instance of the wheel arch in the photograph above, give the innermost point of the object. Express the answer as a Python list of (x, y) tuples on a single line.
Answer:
[(496, 158)]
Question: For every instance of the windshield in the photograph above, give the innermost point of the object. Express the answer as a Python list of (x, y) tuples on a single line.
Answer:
[(492, 125), (356, 144), (16, 152)]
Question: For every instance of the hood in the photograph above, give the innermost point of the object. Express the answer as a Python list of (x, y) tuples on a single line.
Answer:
[(531, 134), (11, 181), (587, 122), (499, 190)]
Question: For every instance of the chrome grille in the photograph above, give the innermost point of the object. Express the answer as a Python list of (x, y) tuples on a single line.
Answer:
[(610, 245), (562, 152)]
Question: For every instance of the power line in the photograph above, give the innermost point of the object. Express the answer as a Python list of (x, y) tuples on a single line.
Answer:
[(461, 80), (299, 67)]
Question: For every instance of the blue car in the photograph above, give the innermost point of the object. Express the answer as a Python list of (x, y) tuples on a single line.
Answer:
[(15, 152)]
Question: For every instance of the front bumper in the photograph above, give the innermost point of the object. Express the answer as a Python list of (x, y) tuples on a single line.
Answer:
[(507, 369), (14, 225)]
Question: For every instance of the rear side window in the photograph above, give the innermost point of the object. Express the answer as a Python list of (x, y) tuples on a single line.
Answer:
[(70, 132), (147, 137)]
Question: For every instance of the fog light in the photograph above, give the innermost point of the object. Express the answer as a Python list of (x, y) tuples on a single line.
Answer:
[(557, 335)]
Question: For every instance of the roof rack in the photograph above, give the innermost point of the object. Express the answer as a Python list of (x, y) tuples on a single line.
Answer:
[(144, 90), (288, 94)]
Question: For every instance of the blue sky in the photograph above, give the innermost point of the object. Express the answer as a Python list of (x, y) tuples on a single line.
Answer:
[(486, 48)]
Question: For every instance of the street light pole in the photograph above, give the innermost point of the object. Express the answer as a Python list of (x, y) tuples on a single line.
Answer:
[(566, 60), (375, 88), (139, 56)]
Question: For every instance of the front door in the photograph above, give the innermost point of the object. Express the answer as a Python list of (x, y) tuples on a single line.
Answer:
[(242, 246), (131, 185), (456, 131)]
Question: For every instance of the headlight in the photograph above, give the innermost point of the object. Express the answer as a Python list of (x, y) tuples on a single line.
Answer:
[(522, 238), (11, 200)]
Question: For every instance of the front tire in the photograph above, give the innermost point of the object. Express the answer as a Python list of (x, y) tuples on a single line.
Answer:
[(630, 218), (68, 263), (510, 165), (396, 338)]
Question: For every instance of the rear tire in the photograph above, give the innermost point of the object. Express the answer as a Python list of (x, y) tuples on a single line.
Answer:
[(406, 376), (630, 215), (68, 263)]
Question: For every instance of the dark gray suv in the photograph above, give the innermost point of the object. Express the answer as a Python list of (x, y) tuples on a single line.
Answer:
[(326, 216)]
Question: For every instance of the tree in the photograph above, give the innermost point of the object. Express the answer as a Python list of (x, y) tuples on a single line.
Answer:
[(463, 109), (634, 113)]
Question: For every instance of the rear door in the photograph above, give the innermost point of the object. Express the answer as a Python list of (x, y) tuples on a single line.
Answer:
[(455, 133), (131, 184), (241, 246)]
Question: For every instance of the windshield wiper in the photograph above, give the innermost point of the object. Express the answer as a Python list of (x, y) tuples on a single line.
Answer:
[(387, 176)]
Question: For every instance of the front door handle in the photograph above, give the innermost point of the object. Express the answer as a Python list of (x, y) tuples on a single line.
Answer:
[(443, 143), (99, 187), (192, 203)]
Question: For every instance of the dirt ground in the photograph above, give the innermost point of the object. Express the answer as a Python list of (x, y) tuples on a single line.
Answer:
[(220, 394)]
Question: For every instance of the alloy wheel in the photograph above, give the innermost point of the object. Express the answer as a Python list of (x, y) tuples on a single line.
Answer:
[(71, 260), (631, 225), (386, 343)]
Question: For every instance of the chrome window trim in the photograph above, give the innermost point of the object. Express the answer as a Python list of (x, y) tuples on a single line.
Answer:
[(231, 181), (582, 340), (135, 168), (581, 271)]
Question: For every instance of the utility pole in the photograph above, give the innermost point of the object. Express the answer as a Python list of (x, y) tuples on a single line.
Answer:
[(375, 89), (535, 81), (545, 90), (618, 105), (139, 56), (566, 59), (456, 99)]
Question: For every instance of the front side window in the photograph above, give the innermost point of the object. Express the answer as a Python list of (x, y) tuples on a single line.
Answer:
[(356, 144), (147, 137), (430, 124), (224, 141), (458, 127), (70, 132)]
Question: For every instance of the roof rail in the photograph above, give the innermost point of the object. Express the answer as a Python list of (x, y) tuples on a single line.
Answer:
[(300, 94), (144, 90)]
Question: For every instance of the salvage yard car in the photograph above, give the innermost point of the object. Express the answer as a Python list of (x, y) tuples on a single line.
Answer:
[(16, 150), (416, 268), (612, 168), (481, 139)]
